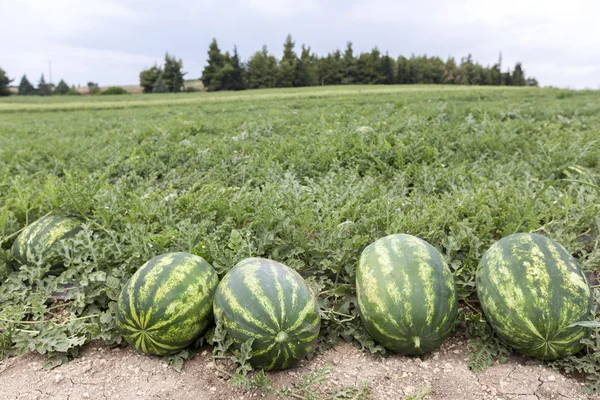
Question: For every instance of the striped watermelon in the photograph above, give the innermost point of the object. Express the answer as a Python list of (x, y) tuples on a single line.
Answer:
[(42, 237), (167, 303), (406, 294), (271, 303), (531, 289), (579, 173)]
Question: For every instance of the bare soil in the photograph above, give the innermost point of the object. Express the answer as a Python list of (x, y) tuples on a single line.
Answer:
[(121, 373)]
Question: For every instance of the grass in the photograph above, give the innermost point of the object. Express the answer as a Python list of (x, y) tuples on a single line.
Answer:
[(307, 177)]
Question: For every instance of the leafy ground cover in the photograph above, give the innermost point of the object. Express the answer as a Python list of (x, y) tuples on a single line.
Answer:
[(306, 177)]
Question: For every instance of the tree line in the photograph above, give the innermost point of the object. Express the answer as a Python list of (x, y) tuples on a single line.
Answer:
[(26, 88), (224, 71)]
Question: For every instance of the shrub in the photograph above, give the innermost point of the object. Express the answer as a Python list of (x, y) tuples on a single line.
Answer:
[(114, 90), (191, 89)]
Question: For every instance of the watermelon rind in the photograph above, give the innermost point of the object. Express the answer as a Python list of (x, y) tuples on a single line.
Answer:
[(531, 290), (41, 239), (167, 303), (268, 302), (406, 294)]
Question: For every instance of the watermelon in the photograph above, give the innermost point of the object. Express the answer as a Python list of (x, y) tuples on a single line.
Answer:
[(269, 302), (167, 303), (579, 173), (531, 289), (42, 239), (406, 294)]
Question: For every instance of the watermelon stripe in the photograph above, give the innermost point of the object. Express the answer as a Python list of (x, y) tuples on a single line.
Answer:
[(167, 303), (531, 289), (244, 313), (39, 239), (278, 311), (406, 294)]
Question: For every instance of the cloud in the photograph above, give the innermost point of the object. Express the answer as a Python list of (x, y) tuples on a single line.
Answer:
[(281, 8), (64, 18), (78, 65), (557, 42)]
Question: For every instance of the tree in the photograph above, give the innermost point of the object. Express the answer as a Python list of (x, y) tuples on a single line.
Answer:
[(306, 69), (173, 74), (262, 70), (160, 86), (62, 88), (148, 78), (215, 62), (4, 82), (287, 66), (387, 69), (518, 76), (331, 70), (43, 88), (402, 70), (25, 87), (349, 65), (93, 87), (233, 78), (369, 67)]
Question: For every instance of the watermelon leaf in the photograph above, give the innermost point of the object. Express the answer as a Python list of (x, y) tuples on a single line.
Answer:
[(586, 324)]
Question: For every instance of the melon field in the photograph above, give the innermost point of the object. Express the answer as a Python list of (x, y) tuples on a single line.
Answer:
[(306, 177)]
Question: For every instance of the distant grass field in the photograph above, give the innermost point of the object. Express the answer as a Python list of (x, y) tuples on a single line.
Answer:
[(307, 177)]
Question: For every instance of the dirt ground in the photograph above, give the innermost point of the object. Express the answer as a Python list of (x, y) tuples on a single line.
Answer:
[(121, 373)]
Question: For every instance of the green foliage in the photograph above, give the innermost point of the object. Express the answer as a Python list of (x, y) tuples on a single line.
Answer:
[(25, 87), (484, 347), (307, 177), (62, 88), (149, 77), (93, 88), (44, 89), (114, 90), (286, 74), (4, 82), (215, 62), (587, 364), (160, 86), (262, 70), (173, 74)]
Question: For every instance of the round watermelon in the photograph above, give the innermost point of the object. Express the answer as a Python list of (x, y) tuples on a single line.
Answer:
[(531, 289), (406, 294), (269, 302), (167, 303), (42, 239)]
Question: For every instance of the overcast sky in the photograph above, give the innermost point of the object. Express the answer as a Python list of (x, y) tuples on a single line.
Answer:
[(111, 41)]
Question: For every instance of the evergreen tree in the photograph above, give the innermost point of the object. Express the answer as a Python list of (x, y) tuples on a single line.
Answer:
[(306, 69), (235, 80), (287, 66), (148, 78), (173, 74), (402, 70), (43, 88), (25, 87), (518, 76), (4, 82), (369, 67), (160, 85), (349, 65), (62, 88), (331, 69), (262, 70), (387, 69), (214, 64)]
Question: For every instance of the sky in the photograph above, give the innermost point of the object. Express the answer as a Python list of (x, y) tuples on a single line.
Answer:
[(111, 41)]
